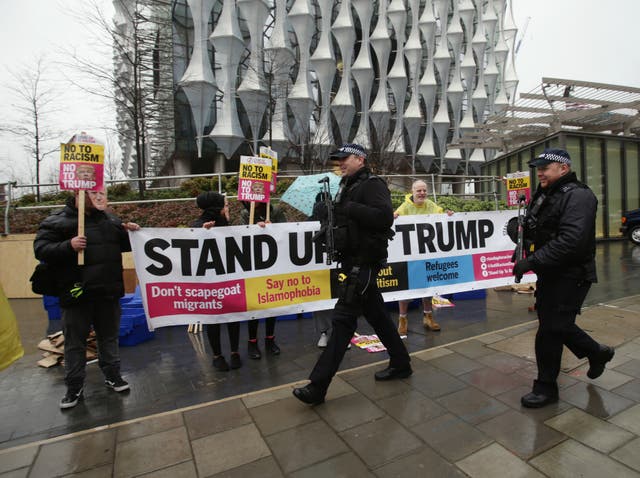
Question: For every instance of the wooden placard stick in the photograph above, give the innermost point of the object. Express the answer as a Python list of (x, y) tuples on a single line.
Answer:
[(81, 208), (268, 216), (252, 212)]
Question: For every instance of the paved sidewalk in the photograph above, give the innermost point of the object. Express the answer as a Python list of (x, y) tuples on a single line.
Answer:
[(458, 415)]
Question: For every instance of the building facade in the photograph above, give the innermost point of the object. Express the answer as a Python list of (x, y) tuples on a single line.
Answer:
[(608, 164), (405, 78), (597, 123)]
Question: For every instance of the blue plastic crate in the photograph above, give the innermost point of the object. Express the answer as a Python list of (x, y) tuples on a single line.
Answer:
[(52, 306), (54, 312), (133, 327), (134, 299), (133, 303), (48, 300), (126, 326)]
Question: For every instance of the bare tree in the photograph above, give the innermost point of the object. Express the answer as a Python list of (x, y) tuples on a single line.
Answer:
[(139, 81), (35, 97), (112, 168)]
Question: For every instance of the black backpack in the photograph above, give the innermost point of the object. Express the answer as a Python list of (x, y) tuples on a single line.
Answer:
[(43, 280)]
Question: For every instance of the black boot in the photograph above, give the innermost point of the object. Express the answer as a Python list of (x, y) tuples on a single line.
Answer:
[(253, 351), (271, 346), (220, 364), (235, 361), (310, 393), (598, 361), (542, 395)]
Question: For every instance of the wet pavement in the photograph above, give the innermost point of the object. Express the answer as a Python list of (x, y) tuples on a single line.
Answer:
[(457, 415)]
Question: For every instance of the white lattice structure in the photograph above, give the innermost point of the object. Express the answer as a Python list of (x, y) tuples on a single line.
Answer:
[(402, 77), (145, 84)]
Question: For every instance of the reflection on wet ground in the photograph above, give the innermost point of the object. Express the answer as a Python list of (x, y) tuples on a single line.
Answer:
[(172, 371)]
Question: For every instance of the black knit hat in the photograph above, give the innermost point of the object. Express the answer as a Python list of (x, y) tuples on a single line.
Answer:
[(210, 199)]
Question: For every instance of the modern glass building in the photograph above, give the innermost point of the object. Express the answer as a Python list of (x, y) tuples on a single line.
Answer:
[(597, 124), (405, 78)]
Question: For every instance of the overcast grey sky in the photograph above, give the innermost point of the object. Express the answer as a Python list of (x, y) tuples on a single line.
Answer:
[(589, 40)]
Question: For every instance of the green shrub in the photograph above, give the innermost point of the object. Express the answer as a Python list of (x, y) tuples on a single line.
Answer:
[(120, 192), (196, 185), (193, 187), (230, 185), (26, 200), (58, 197)]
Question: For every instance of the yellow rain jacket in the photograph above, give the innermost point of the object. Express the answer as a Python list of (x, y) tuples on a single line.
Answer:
[(409, 208)]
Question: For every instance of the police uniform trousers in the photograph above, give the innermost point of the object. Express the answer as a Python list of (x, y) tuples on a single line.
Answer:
[(344, 323), (558, 301)]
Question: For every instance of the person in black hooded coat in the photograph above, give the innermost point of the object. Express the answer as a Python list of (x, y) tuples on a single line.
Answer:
[(89, 294), (215, 213)]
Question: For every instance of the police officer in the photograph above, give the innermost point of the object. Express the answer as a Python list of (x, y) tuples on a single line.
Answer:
[(363, 218), (559, 233)]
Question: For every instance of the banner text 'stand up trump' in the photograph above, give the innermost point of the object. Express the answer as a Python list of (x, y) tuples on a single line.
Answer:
[(242, 272)]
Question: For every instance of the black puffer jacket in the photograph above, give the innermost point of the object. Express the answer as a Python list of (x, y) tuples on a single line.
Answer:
[(563, 230), (101, 276), (365, 206)]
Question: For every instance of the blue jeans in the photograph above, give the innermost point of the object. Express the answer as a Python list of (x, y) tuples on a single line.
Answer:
[(104, 315)]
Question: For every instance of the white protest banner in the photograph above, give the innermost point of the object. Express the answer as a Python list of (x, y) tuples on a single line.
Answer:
[(237, 273)]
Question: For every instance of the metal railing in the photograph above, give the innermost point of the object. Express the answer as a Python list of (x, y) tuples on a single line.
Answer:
[(454, 186)]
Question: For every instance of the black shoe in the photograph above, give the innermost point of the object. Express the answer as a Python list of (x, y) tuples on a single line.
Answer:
[(220, 364), (235, 361), (71, 398), (537, 400), (270, 346), (392, 373), (597, 362), (117, 383), (253, 350), (310, 394)]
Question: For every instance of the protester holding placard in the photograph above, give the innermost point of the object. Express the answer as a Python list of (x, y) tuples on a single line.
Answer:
[(215, 213), (260, 218), (90, 293), (416, 202)]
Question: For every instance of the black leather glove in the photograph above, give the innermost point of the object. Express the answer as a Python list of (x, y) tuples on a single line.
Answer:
[(512, 229), (521, 267)]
